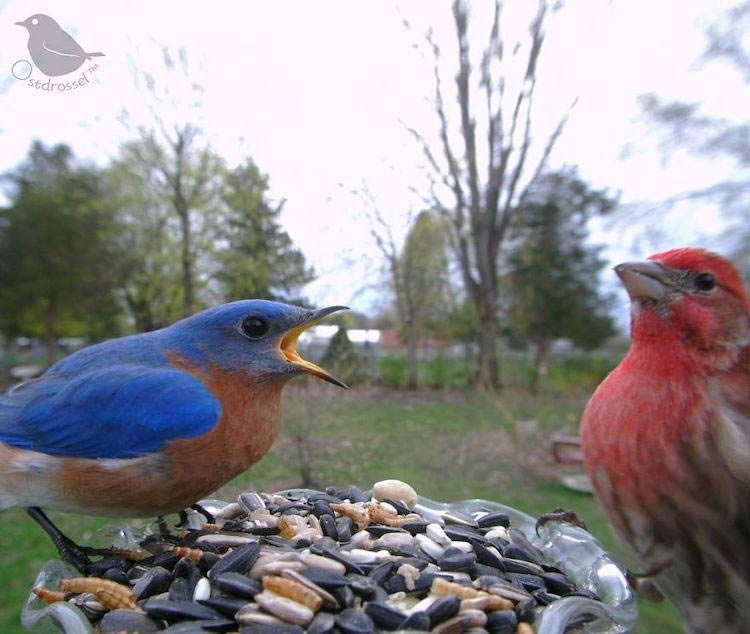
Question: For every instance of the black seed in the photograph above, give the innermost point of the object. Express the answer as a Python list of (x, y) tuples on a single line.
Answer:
[(558, 583), (521, 566), (412, 552), (363, 586), (480, 570), (419, 564), (380, 573), (330, 549), (527, 582), (238, 585), (250, 501), (460, 533), (117, 575), (460, 519), (401, 508), (328, 526), (525, 610), (127, 621), (352, 621), (355, 494), (487, 557), (276, 628), (208, 560), (321, 507), (323, 623), (203, 625), (418, 621), (176, 610), (325, 578), (395, 583), (444, 608), (496, 518), (457, 560), (344, 595), (501, 622), (315, 497), (345, 528), (414, 527), (542, 597), (182, 568), (384, 616), (179, 590), (377, 530), (99, 568), (156, 580), (228, 606), (515, 552), (240, 560)]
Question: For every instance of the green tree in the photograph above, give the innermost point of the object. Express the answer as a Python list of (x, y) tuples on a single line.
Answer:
[(255, 257), (342, 358), (58, 259), (420, 282), (553, 272)]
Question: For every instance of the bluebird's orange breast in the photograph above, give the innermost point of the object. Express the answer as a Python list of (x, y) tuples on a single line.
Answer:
[(187, 469)]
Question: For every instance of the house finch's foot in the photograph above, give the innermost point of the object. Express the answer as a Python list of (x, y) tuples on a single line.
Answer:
[(644, 586), (560, 515)]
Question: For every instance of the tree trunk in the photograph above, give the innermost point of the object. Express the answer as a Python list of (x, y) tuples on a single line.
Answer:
[(488, 377), (411, 351), (187, 265)]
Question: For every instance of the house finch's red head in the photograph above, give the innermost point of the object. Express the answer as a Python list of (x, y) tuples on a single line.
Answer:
[(689, 294), (666, 436)]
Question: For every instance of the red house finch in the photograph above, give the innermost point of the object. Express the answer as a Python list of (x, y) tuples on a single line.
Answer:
[(666, 436)]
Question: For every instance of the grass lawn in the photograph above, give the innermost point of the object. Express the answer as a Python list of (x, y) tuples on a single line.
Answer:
[(449, 445)]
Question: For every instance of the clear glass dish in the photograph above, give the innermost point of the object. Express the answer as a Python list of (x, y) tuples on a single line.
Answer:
[(573, 550)]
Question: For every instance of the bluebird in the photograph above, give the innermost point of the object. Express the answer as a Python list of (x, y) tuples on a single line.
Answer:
[(52, 49), (148, 424)]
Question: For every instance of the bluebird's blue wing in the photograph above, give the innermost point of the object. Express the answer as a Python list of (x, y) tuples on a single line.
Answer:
[(117, 412)]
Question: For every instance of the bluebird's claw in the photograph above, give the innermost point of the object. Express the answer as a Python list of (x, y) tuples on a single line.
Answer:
[(68, 549), (560, 515)]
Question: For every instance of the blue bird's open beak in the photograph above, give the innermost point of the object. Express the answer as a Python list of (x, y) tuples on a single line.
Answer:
[(289, 341)]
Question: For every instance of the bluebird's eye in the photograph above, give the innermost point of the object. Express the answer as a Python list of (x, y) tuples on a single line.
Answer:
[(705, 282), (254, 327)]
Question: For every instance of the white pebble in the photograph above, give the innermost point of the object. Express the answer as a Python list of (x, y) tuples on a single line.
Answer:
[(430, 546), (436, 533), (202, 589), (395, 490)]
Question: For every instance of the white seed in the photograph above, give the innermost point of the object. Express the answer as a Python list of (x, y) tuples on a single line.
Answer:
[(278, 566), (463, 546), (319, 561), (286, 609), (202, 589), (388, 508), (394, 541), (361, 556), (250, 614), (430, 546), (498, 531), (409, 573), (436, 533), (362, 538), (395, 490)]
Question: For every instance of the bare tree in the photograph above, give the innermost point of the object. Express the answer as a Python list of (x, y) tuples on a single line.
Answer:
[(478, 183)]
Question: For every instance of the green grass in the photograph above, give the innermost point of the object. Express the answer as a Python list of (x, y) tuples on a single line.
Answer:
[(449, 445)]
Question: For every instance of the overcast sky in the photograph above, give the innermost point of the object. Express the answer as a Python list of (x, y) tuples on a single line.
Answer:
[(316, 92)]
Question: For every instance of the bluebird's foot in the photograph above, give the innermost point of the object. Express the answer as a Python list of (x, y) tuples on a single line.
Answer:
[(69, 551), (560, 515), (210, 519)]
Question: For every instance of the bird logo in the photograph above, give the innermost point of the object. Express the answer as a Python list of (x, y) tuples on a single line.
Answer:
[(52, 49)]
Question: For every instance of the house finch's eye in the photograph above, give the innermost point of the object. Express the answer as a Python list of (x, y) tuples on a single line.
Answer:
[(254, 327), (705, 282)]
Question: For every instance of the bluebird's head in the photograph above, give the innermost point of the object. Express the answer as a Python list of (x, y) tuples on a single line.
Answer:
[(253, 336), (40, 22)]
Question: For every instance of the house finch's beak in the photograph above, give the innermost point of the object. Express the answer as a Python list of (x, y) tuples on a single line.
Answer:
[(288, 343), (644, 280)]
